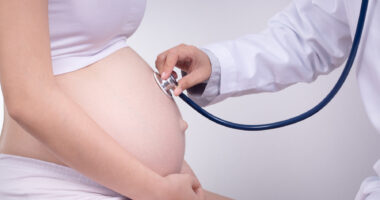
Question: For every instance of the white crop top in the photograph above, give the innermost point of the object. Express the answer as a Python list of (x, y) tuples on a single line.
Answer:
[(85, 31)]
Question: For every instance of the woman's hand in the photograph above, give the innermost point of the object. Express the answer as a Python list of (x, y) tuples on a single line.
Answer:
[(186, 169), (189, 59), (180, 186)]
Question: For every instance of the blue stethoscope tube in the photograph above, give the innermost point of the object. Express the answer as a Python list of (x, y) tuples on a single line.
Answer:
[(311, 112)]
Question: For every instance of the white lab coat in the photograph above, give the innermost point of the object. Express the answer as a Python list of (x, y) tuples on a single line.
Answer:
[(306, 39)]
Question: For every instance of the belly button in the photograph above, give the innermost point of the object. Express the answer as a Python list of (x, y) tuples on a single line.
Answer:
[(183, 124)]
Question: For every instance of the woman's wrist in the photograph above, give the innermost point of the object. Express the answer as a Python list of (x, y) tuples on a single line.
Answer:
[(152, 188), (159, 188)]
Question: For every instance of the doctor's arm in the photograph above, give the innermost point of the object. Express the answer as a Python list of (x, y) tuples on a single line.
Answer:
[(306, 39)]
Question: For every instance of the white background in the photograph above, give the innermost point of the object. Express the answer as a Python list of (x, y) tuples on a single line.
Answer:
[(323, 158)]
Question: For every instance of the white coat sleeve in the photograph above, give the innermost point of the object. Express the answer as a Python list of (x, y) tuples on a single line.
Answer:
[(308, 38)]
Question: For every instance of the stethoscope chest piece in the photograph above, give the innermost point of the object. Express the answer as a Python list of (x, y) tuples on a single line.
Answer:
[(165, 85)]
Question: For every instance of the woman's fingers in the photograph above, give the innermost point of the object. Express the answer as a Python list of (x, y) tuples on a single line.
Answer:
[(201, 194), (195, 183)]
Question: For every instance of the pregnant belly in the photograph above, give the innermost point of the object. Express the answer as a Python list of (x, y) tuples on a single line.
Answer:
[(120, 94)]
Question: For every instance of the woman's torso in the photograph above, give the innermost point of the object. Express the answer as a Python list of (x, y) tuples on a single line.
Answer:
[(118, 92)]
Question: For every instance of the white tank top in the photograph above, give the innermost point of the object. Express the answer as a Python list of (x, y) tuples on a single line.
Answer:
[(85, 31)]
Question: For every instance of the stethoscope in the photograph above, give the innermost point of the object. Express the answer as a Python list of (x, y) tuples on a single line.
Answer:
[(171, 83)]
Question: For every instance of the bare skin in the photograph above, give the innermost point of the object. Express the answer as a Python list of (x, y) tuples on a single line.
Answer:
[(186, 169), (123, 108), (102, 82), (188, 58), (197, 64), (88, 119)]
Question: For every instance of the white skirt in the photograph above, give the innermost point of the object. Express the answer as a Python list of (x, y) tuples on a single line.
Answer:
[(27, 178)]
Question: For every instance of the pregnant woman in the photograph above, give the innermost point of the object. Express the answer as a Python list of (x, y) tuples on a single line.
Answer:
[(82, 110)]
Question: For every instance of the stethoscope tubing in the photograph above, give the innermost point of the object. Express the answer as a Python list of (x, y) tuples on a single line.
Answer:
[(307, 114)]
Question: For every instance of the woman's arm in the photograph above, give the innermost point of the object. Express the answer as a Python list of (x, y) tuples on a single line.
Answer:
[(36, 103)]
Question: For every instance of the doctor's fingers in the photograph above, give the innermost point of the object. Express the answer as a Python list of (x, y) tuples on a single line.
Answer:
[(180, 56), (188, 81), (165, 63)]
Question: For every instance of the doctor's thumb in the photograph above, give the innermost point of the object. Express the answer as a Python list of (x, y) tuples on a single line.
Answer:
[(187, 82)]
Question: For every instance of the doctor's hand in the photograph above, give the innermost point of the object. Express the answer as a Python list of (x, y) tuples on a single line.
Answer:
[(189, 59)]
